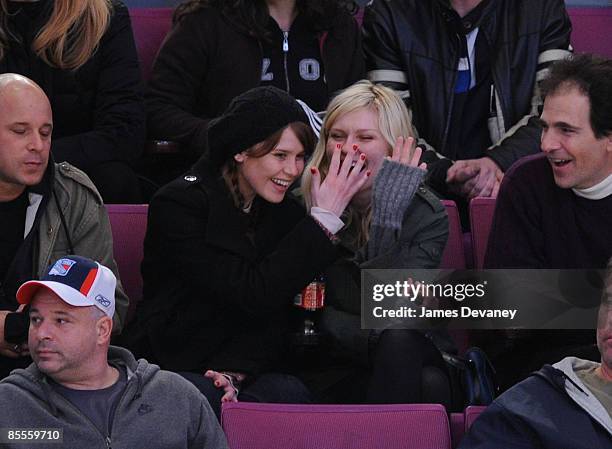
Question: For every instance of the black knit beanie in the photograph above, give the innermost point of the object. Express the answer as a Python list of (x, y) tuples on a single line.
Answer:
[(250, 118)]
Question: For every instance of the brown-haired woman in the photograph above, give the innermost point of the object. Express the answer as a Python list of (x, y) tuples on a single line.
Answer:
[(82, 54), (227, 249)]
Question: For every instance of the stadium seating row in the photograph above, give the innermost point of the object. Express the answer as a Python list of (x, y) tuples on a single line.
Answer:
[(279, 426), (129, 223)]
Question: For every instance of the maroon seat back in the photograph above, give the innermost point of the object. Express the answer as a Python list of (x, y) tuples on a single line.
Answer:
[(454, 254), (129, 224), (471, 414), (481, 218), (457, 427), (296, 426), (460, 423), (591, 28), (150, 27)]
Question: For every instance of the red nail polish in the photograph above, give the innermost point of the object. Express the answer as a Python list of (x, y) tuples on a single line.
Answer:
[(355, 146), (368, 173), (313, 170), (338, 146), (363, 156)]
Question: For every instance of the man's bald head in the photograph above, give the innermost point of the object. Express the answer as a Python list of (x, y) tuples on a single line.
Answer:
[(25, 134), (12, 81)]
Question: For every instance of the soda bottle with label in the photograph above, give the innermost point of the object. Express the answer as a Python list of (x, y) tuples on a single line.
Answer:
[(311, 301)]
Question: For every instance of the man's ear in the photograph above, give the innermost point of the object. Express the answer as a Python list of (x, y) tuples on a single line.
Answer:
[(240, 157), (609, 143), (104, 328)]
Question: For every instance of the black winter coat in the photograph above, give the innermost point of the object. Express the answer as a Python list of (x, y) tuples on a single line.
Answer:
[(98, 109), (219, 283), (207, 60)]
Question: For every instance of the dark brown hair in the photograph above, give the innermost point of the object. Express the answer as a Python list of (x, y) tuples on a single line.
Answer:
[(302, 131), (592, 76)]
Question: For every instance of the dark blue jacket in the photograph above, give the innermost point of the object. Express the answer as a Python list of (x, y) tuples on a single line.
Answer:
[(537, 413)]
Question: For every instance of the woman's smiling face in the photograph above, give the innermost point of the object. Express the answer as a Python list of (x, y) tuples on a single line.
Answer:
[(269, 176)]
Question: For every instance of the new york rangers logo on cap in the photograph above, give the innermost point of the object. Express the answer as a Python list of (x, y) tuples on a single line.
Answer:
[(61, 267)]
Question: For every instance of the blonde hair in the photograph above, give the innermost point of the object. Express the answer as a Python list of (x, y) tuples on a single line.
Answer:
[(393, 121), (70, 36)]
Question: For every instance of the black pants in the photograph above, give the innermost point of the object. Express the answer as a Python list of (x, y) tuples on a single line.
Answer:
[(406, 367), (392, 366)]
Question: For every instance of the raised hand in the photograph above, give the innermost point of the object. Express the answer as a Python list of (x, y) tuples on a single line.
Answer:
[(405, 152), (343, 180)]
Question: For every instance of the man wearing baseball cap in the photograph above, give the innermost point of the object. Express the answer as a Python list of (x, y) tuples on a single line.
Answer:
[(94, 394)]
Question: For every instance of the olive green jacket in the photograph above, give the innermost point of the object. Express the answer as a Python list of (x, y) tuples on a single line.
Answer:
[(87, 225)]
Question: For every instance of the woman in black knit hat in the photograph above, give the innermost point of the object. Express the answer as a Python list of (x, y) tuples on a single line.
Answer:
[(227, 249)]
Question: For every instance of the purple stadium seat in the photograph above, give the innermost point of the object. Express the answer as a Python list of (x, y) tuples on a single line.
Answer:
[(591, 28), (150, 26), (457, 427), (471, 414), (296, 426), (454, 255), (129, 223), (460, 423), (481, 218)]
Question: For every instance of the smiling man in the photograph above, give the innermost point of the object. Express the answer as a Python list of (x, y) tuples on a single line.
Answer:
[(85, 392), (554, 209), (47, 210)]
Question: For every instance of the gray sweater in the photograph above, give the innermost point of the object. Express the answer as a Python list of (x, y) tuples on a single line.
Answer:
[(394, 188), (158, 409)]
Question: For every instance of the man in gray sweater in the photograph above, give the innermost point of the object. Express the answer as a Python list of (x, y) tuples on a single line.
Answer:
[(79, 392)]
